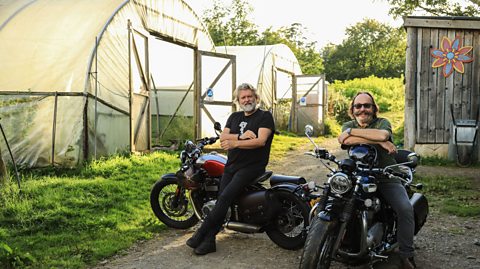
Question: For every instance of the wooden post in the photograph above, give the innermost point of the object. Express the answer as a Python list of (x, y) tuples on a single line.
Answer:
[(197, 93), (294, 105), (410, 83)]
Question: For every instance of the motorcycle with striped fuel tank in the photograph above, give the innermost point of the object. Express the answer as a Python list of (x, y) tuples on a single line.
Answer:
[(280, 208)]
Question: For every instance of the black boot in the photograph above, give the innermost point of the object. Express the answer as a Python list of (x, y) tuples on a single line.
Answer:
[(196, 238), (199, 235), (408, 263), (207, 246)]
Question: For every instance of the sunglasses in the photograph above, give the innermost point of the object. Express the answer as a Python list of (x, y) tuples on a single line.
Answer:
[(366, 106)]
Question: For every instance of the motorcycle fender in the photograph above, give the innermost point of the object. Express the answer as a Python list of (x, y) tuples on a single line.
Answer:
[(285, 187), (325, 216), (420, 209), (170, 176)]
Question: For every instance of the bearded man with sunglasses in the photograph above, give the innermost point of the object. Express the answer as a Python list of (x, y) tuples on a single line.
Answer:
[(366, 128)]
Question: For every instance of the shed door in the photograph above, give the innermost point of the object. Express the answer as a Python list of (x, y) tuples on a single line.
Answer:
[(215, 84), (139, 91)]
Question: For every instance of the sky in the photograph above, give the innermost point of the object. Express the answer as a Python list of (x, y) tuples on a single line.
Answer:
[(325, 20)]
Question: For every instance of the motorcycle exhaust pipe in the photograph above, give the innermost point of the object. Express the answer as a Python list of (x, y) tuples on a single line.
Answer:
[(242, 227), (363, 240)]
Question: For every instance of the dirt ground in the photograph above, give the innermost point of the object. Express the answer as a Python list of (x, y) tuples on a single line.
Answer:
[(444, 242)]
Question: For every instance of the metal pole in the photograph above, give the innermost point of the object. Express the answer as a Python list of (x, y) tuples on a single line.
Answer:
[(54, 128), (11, 155), (96, 94)]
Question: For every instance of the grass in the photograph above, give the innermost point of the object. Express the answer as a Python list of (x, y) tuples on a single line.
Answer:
[(75, 218), (72, 221), (452, 195)]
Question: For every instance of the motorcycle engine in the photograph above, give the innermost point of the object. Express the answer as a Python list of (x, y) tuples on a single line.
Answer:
[(208, 207)]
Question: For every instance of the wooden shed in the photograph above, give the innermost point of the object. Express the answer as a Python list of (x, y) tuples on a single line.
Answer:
[(442, 72)]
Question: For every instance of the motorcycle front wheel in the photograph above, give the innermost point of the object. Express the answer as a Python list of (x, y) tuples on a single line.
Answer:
[(288, 229), (171, 206), (317, 252)]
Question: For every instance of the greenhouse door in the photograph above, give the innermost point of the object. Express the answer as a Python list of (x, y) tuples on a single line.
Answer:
[(309, 91), (215, 82), (139, 91)]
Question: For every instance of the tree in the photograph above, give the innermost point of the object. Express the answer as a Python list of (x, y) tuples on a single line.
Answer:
[(305, 51), (371, 48), (230, 26), (401, 8)]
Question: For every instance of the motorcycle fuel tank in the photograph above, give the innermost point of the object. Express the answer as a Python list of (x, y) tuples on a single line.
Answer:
[(214, 164)]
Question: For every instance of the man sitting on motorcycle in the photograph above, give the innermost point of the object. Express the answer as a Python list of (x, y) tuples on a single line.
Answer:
[(367, 128), (247, 137)]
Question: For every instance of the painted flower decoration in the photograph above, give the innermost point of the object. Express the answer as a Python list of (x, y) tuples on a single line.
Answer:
[(451, 55)]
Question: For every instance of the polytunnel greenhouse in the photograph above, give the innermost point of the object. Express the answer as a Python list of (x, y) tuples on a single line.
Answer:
[(277, 74), (83, 79)]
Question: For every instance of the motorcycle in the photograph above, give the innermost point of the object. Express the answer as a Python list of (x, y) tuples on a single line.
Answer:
[(183, 198), (351, 223)]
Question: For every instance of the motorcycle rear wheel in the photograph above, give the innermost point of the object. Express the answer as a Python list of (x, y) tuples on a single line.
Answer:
[(171, 206), (288, 230), (319, 245)]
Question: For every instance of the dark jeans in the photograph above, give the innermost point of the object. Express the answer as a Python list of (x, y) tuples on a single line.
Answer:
[(231, 186), (397, 197)]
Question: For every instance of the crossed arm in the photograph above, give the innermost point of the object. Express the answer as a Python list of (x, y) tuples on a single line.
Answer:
[(248, 140), (368, 136)]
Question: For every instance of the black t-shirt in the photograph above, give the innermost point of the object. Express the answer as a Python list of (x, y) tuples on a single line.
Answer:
[(238, 123)]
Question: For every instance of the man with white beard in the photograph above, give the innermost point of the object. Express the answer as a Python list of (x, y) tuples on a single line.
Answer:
[(247, 137)]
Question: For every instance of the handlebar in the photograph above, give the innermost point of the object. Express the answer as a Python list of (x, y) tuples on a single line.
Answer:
[(207, 141), (322, 153)]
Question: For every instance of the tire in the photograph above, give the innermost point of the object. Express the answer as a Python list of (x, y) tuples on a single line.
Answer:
[(180, 216), (289, 227), (319, 245)]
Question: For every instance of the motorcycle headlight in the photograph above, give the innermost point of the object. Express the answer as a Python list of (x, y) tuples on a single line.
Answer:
[(340, 183)]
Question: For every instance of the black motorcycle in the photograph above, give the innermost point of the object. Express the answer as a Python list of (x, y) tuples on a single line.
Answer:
[(351, 223), (281, 210)]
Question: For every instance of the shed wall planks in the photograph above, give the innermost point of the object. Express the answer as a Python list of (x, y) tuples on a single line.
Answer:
[(432, 93)]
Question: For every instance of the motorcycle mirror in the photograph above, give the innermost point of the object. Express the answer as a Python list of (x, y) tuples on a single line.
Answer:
[(308, 130), (217, 126), (413, 158)]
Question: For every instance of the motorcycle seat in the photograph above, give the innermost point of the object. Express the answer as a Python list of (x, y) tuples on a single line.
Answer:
[(278, 179), (263, 177)]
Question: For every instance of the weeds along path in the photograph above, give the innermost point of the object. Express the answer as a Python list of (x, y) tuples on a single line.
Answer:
[(444, 242)]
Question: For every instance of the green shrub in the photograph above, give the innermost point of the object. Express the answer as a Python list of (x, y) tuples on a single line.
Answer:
[(388, 94), (332, 127)]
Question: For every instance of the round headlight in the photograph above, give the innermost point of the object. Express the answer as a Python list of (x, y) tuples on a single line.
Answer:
[(340, 183)]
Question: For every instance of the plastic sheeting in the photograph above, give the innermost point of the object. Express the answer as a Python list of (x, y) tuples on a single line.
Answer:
[(49, 46), (256, 64)]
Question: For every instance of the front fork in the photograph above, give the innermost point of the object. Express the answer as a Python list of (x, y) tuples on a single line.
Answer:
[(344, 219), (194, 205), (179, 195)]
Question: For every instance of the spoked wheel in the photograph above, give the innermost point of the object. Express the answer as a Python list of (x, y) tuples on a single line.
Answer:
[(317, 252), (171, 206), (289, 225)]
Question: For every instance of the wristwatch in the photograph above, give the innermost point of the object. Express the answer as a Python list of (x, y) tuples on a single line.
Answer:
[(349, 131)]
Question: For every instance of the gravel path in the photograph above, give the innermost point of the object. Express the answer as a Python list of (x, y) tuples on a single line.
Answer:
[(444, 242)]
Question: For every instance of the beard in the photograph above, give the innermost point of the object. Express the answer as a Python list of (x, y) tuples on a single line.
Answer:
[(367, 119), (250, 107)]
